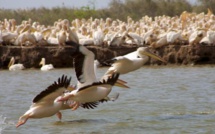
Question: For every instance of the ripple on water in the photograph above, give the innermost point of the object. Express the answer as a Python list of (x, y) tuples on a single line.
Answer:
[(5, 123), (160, 100)]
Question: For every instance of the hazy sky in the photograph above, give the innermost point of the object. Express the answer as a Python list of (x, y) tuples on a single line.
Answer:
[(16, 4), (26, 4)]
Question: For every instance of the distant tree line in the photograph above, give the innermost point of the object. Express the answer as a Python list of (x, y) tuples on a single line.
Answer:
[(117, 9)]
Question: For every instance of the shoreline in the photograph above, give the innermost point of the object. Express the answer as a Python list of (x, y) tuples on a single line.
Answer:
[(61, 57)]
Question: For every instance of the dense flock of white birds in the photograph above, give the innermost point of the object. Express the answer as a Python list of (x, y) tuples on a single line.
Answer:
[(188, 28)]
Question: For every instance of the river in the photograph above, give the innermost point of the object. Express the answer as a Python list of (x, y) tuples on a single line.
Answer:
[(161, 100)]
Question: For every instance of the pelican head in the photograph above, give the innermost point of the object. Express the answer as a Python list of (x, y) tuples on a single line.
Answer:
[(145, 51), (42, 62), (12, 61)]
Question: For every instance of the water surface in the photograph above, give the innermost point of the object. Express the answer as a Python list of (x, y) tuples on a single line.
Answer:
[(160, 100)]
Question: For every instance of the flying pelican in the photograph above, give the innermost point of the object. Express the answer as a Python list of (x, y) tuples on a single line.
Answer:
[(45, 67), (46, 103), (89, 89), (93, 93), (14, 67), (85, 67), (132, 61)]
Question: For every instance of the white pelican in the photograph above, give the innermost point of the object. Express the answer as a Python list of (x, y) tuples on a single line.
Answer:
[(26, 37), (61, 36), (45, 67), (46, 103), (117, 39), (132, 61), (161, 41), (136, 39), (209, 39), (89, 89), (173, 36), (196, 36), (14, 67), (149, 37), (8, 37), (52, 37), (98, 37), (84, 63), (93, 93)]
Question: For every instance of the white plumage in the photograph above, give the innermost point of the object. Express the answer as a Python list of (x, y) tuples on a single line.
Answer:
[(45, 104), (45, 67), (209, 39), (131, 62), (14, 67), (98, 37)]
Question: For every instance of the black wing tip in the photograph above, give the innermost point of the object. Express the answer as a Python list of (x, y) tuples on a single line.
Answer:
[(90, 105), (75, 47), (112, 79), (62, 81)]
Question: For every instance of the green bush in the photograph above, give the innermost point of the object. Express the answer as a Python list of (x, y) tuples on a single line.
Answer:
[(117, 9)]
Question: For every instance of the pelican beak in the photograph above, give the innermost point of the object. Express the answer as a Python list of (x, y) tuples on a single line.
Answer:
[(150, 54), (10, 63), (40, 63), (121, 83)]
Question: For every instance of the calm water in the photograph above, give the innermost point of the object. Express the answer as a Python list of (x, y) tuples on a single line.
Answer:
[(161, 100)]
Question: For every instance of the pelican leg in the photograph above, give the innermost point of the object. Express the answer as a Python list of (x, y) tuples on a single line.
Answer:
[(73, 104), (76, 106), (59, 115)]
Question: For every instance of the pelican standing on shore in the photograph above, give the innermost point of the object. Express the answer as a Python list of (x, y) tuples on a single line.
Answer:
[(14, 67), (45, 67)]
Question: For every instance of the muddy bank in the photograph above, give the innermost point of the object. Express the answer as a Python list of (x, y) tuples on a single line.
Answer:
[(60, 58)]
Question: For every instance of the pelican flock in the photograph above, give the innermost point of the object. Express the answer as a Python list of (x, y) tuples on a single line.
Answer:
[(188, 28), (89, 91)]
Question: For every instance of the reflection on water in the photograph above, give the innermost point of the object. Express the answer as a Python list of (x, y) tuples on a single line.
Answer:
[(160, 100)]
